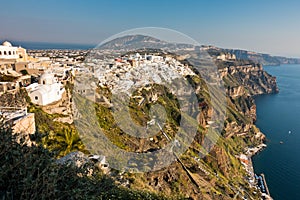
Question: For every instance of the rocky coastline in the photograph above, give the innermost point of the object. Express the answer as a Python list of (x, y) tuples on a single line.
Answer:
[(254, 81)]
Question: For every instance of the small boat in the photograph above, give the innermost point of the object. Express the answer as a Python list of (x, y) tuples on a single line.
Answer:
[(280, 142), (290, 132)]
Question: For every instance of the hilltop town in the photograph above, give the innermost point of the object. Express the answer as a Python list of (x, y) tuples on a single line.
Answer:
[(48, 77)]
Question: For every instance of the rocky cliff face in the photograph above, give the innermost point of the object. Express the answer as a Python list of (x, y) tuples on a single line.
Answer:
[(251, 78), (242, 83), (262, 58)]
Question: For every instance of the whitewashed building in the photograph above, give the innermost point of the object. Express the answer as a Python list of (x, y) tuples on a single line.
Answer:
[(9, 52), (47, 91)]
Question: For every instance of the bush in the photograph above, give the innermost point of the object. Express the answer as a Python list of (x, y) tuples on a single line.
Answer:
[(31, 173)]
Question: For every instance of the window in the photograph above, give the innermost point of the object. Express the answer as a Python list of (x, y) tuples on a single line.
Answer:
[(105, 165), (4, 52), (36, 98), (0, 52), (9, 53)]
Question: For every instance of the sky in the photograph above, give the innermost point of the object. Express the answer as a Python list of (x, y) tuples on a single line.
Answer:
[(268, 26)]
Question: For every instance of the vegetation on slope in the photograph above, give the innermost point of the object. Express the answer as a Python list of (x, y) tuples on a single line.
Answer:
[(31, 173)]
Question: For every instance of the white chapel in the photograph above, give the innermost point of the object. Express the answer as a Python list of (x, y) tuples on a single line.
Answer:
[(47, 91)]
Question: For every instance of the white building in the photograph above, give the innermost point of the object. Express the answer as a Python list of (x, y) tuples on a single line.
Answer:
[(226, 56), (9, 52), (47, 91)]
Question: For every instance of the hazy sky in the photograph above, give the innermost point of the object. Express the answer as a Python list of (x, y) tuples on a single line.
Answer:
[(269, 26)]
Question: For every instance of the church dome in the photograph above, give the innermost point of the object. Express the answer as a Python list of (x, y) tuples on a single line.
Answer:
[(47, 79), (7, 44)]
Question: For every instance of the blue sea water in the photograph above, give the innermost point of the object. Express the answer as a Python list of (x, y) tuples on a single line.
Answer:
[(45, 45), (278, 116)]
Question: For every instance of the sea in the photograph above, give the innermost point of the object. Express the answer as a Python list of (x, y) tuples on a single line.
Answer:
[(45, 45), (278, 116)]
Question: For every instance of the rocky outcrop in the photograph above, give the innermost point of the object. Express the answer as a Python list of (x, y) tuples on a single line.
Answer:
[(242, 83), (262, 58), (89, 163), (77, 159), (252, 78)]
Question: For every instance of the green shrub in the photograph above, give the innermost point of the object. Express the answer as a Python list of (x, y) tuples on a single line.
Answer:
[(31, 173)]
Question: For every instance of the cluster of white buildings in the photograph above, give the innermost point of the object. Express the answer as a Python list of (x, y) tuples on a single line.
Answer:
[(43, 81), (136, 69), (49, 67), (41, 74)]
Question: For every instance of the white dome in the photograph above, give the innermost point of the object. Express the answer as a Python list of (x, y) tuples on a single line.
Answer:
[(7, 44), (47, 79)]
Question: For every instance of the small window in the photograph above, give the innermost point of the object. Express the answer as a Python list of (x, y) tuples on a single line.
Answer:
[(9, 53), (4, 52), (44, 82), (105, 165), (36, 98), (0, 52)]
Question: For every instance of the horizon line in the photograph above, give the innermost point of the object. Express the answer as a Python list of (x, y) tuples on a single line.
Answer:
[(92, 45)]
